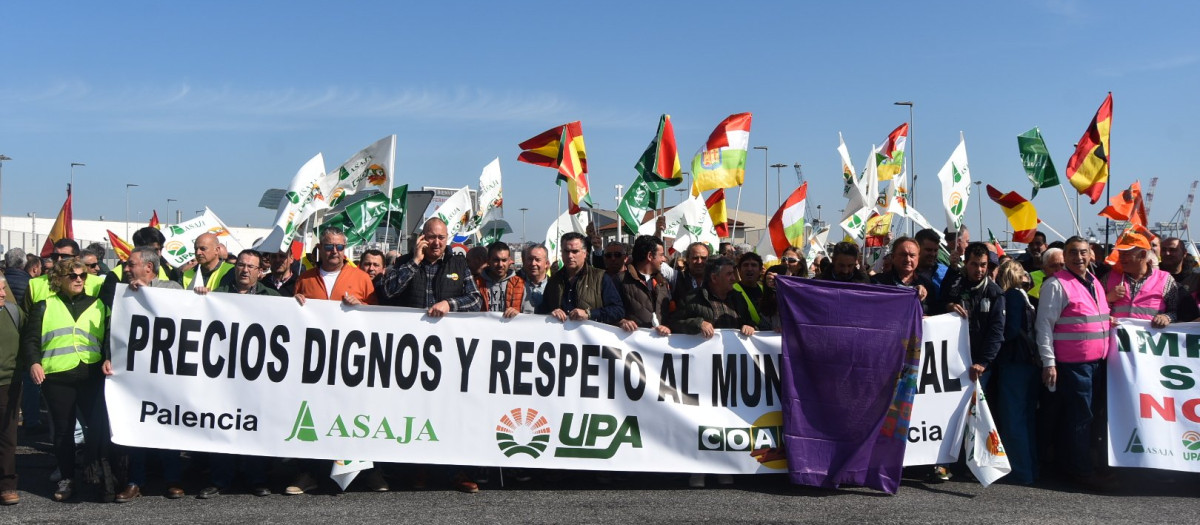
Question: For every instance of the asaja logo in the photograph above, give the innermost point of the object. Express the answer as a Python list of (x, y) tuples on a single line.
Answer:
[(523, 432), (1135, 444), (176, 248), (361, 426)]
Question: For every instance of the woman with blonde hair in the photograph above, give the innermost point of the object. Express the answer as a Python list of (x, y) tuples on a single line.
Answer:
[(1017, 375), (65, 340)]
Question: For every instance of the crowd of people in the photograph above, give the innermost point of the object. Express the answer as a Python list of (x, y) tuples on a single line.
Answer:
[(1038, 328)]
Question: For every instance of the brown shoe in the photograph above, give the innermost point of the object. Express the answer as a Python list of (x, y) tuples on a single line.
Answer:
[(174, 492), (464, 484), (130, 493), (10, 497)]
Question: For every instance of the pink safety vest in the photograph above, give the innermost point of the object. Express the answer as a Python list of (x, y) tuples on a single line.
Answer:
[(1149, 301), (1081, 331)]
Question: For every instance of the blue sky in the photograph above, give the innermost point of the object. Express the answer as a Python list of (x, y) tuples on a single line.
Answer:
[(211, 103)]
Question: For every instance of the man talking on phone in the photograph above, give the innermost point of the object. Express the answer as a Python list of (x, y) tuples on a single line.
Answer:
[(432, 278)]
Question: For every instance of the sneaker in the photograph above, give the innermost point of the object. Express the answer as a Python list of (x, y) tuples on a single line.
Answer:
[(56, 476), (303, 483), (696, 481), (65, 488), (938, 475), (130, 493), (724, 479)]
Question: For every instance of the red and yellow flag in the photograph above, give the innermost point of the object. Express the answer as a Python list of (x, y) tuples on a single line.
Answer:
[(718, 212), (1127, 206), (1088, 167), (1020, 212), (154, 220), (63, 228), (561, 147), (122, 248)]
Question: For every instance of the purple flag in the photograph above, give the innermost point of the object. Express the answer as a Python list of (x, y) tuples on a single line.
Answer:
[(849, 376)]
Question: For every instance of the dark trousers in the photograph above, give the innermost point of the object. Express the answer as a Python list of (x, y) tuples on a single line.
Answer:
[(1015, 408), (10, 405), (172, 466), (224, 468), (1076, 388), (31, 401), (64, 398)]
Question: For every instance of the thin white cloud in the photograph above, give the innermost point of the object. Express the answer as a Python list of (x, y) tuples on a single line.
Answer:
[(187, 106), (1161, 64)]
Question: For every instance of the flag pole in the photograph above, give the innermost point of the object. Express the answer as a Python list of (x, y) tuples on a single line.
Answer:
[(736, 209), (1051, 228), (1073, 214), (391, 177)]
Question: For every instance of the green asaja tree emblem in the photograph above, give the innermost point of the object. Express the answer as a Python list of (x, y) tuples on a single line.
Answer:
[(523, 432)]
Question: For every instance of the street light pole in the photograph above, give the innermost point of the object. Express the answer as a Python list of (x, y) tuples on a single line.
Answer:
[(523, 241), (167, 212), (619, 215), (2, 159), (127, 186), (778, 184), (912, 165), (33, 228), (73, 164)]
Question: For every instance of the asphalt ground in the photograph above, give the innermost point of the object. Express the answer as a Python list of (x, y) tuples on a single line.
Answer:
[(1144, 496)]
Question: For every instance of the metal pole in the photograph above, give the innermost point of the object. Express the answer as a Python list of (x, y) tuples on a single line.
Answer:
[(127, 186), (619, 215), (523, 210), (766, 161), (167, 212), (778, 186), (73, 164), (2, 159), (979, 202)]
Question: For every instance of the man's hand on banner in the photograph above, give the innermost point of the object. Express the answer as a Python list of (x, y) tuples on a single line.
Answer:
[(300, 298), (350, 300), (958, 309), (747, 330), (579, 314), (628, 325), (510, 312), (976, 370), (706, 329), (662, 329), (439, 309), (1160, 321), (201, 290)]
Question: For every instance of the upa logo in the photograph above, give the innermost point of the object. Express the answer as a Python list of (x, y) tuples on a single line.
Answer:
[(1191, 445), (523, 432), (588, 438), (361, 426)]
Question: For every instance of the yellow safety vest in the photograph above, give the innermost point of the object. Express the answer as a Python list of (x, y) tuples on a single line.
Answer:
[(749, 303), (214, 280), (67, 341), (39, 287)]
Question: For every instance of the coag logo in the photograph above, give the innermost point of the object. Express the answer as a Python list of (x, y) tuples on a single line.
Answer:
[(523, 432), (762, 440), (361, 426)]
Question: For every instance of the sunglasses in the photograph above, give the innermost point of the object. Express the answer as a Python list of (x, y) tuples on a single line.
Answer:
[(76, 276), (790, 260), (94, 265), (333, 247)]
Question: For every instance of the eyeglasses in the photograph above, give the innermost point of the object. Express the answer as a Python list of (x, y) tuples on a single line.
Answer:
[(790, 260), (333, 247), (76, 276), (56, 256), (246, 266)]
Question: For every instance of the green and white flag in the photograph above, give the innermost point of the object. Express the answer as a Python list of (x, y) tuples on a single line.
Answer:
[(178, 248), (361, 219), (956, 185), (456, 212), (369, 169), (695, 225), (849, 181), (1036, 160), (639, 199), (491, 197), (305, 196), (859, 205), (566, 222)]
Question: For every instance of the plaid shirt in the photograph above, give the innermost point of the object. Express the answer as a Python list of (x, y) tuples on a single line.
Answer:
[(398, 280)]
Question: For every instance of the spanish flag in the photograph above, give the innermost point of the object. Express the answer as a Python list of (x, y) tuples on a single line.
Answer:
[(562, 148), (1020, 212), (120, 247), (63, 226), (1088, 168), (718, 212), (154, 220)]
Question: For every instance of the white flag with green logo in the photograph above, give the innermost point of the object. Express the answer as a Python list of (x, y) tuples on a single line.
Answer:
[(694, 225), (180, 238), (491, 197), (565, 223), (305, 196), (956, 185), (456, 212), (369, 169)]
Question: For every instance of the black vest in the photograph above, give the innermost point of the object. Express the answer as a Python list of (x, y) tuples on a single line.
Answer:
[(449, 282)]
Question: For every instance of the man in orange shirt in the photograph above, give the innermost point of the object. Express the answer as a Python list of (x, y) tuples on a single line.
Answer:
[(333, 279)]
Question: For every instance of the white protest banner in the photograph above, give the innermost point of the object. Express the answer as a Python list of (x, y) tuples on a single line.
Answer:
[(181, 238), (1153, 398), (943, 388), (265, 376)]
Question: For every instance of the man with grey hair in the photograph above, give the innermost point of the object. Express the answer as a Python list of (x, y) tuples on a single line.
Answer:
[(534, 264), (14, 272), (1052, 262)]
